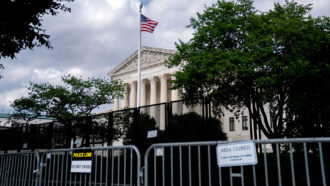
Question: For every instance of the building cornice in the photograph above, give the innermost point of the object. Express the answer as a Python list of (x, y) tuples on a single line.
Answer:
[(113, 73)]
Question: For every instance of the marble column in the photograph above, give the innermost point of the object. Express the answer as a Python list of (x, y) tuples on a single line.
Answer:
[(153, 90), (175, 97), (125, 99), (143, 97), (143, 92), (132, 97), (164, 88), (116, 104), (153, 98), (163, 99)]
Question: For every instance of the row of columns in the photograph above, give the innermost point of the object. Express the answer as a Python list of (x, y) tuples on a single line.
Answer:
[(130, 98), (151, 98)]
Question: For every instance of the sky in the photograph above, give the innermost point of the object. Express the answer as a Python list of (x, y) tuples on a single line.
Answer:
[(98, 34)]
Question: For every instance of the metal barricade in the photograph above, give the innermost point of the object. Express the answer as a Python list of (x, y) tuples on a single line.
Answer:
[(299, 161), (119, 165), (19, 168)]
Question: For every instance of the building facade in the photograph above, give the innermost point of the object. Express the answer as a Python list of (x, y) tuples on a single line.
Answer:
[(155, 76)]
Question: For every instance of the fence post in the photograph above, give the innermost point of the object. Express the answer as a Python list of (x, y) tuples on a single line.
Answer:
[(137, 116), (68, 126), (20, 136), (50, 135), (169, 119), (136, 121), (88, 130), (110, 133), (32, 142)]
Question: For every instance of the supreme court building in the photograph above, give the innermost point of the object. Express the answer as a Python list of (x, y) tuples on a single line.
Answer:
[(155, 90)]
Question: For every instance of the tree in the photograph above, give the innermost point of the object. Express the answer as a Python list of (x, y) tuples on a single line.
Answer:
[(137, 135), (243, 59), (183, 128), (21, 24), (193, 127), (77, 98)]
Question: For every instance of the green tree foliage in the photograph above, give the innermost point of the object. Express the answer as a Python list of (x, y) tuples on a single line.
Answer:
[(21, 24), (76, 98), (309, 103), (70, 104), (240, 58)]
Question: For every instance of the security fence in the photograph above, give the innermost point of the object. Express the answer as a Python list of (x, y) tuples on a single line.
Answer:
[(94, 130), (19, 169), (296, 161), (91, 166), (280, 162)]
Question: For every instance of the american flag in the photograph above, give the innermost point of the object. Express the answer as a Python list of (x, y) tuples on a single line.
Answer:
[(147, 25)]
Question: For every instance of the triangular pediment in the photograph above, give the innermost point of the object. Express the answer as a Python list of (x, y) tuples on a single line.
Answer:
[(149, 57)]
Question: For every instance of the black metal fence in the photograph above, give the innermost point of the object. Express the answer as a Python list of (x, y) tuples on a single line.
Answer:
[(95, 130)]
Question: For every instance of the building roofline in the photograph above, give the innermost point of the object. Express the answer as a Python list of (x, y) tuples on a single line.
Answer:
[(143, 48), (7, 115)]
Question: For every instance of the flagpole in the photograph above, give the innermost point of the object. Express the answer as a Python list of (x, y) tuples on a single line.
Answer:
[(139, 61)]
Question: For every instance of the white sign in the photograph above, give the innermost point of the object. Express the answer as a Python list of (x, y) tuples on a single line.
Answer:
[(237, 154), (25, 145), (78, 141), (152, 134), (160, 151), (81, 166)]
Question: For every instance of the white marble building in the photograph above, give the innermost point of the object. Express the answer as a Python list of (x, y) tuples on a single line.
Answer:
[(155, 89), (154, 81)]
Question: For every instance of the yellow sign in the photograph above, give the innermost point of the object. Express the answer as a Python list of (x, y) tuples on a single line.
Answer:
[(82, 154)]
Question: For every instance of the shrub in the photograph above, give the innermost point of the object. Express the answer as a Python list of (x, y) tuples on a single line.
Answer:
[(193, 127)]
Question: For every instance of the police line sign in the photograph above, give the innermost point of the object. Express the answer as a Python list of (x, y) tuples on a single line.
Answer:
[(237, 154), (81, 161)]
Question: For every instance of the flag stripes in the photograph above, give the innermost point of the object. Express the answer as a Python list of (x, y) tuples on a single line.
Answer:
[(147, 24)]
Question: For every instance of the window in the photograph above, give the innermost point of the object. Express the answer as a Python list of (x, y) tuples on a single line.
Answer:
[(245, 123), (231, 124)]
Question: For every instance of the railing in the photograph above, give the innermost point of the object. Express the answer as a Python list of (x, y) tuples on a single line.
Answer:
[(19, 168), (109, 166), (299, 161), (281, 162), (96, 130)]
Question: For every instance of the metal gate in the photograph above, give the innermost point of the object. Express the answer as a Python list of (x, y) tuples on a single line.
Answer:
[(110, 166), (303, 161), (19, 168)]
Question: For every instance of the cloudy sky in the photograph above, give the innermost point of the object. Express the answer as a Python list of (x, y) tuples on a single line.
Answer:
[(98, 34)]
